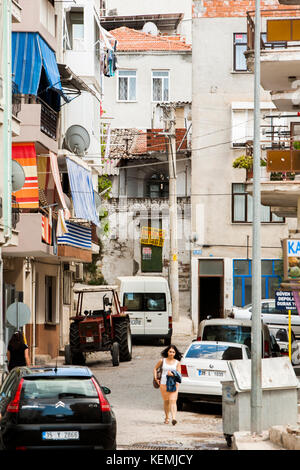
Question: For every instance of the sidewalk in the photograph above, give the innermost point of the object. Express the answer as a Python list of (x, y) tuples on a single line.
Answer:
[(276, 438)]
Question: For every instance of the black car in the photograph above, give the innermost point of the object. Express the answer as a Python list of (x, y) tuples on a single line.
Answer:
[(55, 407)]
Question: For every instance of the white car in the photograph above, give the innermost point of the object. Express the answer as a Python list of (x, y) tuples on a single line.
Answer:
[(269, 315), (203, 366), (281, 334)]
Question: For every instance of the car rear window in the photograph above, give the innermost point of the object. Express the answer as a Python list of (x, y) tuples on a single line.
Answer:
[(214, 351), (58, 388), (228, 333)]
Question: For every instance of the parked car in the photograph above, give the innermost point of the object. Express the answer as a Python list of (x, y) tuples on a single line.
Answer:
[(269, 314), (203, 367), (236, 331), (55, 407), (281, 333)]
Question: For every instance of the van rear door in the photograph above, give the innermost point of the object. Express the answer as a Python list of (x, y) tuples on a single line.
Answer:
[(134, 301)]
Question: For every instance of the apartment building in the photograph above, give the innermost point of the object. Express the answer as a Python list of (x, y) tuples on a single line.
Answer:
[(223, 84), (57, 216)]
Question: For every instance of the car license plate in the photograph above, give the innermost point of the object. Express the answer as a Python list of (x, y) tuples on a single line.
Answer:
[(89, 339), (136, 321), (210, 373), (60, 435)]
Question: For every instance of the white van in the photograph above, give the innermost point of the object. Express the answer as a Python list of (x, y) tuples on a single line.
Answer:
[(148, 303)]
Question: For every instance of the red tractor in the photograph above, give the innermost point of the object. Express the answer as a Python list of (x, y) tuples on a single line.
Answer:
[(107, 329)]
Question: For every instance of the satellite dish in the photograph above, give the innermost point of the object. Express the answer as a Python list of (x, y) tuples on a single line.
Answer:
[(77, 140), (97, 200), (150, 28), (17, 176)]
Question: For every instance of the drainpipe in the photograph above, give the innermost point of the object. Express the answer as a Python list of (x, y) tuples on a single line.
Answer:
[(7, 166), (6, 194), (33, 282)]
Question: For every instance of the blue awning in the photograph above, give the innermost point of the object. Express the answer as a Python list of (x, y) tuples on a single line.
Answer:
[(77, 236), (82, 192), (29, 54)]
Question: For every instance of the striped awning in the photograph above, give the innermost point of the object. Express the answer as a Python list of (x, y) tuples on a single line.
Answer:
[(29, 54), (28, 196), (77, 236), (82, 191)]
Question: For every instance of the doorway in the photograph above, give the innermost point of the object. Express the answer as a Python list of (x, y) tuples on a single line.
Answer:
[(210, 297)]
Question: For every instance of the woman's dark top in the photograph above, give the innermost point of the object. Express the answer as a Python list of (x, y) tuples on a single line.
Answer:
[(17, 356)]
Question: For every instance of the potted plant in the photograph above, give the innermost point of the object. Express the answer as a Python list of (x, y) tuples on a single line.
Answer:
[(246, 161)]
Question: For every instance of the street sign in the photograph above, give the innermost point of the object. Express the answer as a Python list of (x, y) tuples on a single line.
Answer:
[(284, 300), (18, 314)]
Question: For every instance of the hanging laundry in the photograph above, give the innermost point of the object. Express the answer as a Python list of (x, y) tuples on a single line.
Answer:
[(46, 230), (61, 228)]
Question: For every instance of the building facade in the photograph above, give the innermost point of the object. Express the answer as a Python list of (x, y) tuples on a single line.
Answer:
[(223, 131)]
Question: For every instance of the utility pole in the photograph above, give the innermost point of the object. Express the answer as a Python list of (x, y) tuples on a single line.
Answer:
[(170, 121), (256, 351)]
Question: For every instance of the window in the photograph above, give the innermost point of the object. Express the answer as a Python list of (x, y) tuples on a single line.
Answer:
[(242, 207), (212, 351), (148, 302), (242, 280), (158, 186), (75, 28), (160, 85), (50, 295), (239, 47), (242, 120), (127, 85)]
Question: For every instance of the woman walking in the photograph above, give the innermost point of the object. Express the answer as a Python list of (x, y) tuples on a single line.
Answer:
[(170, 365), (17, 351)]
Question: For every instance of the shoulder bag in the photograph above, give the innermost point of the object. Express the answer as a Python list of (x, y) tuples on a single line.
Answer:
[(158, 375)]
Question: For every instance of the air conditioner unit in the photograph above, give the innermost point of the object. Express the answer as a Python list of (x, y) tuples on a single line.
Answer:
[(78, 272)]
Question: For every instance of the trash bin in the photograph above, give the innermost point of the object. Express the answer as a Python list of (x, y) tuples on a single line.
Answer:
[(279, 395)]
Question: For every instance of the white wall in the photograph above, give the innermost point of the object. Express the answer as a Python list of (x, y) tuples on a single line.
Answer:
[(139, 114)]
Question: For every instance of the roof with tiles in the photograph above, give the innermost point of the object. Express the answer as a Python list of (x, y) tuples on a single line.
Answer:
[(133, 40)]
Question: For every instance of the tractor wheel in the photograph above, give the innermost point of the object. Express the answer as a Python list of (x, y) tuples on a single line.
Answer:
[(115, 353), (78, 357), (68, 355), (123, 337)]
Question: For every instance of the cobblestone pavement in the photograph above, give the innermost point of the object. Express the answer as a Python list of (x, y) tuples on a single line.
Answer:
[(139, 408)]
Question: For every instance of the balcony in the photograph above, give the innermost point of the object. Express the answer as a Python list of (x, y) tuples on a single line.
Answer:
[(280, 54), (280, 186), (31, 243), (38, 124)]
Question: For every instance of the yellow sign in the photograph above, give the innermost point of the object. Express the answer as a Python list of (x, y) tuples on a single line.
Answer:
[(152, 236)]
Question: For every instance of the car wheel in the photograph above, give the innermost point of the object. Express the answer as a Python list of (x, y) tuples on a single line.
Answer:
[(228, 440), (180, 404), (115, 353)]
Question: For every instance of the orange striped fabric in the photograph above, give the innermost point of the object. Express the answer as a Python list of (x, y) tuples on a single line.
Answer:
[(28, 196), (46, 230)]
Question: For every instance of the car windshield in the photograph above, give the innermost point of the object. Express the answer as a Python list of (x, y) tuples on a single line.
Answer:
[(228, 333), (214, 351), (58, 388)]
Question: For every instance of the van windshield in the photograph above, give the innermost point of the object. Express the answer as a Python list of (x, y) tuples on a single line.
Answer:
[(229, 333), (147, 302)]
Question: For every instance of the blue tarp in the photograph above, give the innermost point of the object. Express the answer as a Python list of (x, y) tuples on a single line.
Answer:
[(29, 54), (82, 192)]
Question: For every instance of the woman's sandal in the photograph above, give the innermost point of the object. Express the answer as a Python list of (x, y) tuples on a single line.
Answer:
[(166, 421)]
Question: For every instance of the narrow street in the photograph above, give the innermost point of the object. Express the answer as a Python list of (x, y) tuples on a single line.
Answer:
[(139, 408)]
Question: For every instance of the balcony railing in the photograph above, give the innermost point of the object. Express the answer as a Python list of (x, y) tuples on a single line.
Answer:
[(281, 28), (49, 119), (16, 100), (15, 216)]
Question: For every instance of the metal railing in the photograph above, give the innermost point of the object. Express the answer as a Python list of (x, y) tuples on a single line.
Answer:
[(279, 13), (16, 100), (15, 212), (49, 119)]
